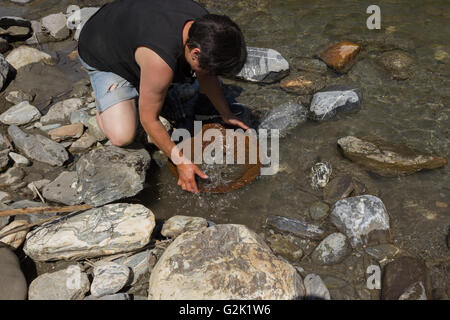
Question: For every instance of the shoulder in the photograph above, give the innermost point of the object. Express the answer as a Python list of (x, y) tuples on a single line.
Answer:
[(147, 58)]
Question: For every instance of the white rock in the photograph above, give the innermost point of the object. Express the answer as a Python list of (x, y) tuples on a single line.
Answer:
[(24, 55), (55, 24), (109, 278), (60, 111), (19, 159), (315, 288), (21, 113)]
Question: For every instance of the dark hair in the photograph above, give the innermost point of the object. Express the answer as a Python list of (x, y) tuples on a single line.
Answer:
[(221, 43)]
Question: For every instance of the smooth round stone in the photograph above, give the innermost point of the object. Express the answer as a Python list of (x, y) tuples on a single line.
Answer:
[(332, 250), (319, 210)]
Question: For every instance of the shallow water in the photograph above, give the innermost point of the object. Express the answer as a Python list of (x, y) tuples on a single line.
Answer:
[(415, 112)]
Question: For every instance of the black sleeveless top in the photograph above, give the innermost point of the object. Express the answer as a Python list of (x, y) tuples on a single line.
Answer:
[(110, 37)]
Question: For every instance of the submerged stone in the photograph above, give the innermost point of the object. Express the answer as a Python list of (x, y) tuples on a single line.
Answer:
[(332, 250), (398, 64), (340, 56), (284, 117), (263, 65), (325, 104), (385, 158), (299, 228), (111, 229), (303, 84), (223, 262)]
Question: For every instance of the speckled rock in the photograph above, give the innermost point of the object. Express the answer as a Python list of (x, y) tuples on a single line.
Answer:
[(398, 64), (38, 147), (110, 173), (60, 111), (285, 247), (326, 103), (16, 239), (223, 262), (63, 189), (179, 224), (109, 278), (332, 250), (13, 285), (111, 229), (66, 284), (385, 158), (320, 174), (24, 55), (361, 217), (284, 117), (318, 210), (21, 113), (315, 288)]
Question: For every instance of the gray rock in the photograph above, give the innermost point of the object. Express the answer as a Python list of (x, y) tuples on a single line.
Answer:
[(21, 113), (19, 160), (67, 284), (60, 111), (63, 189), (24, 55), (179, 224), (332, 250), (263, 65), (11, 176), (32, 218), (79, 116), (19, 96), (299, 228), (55, 24), (138, 264), (4, 159), (319, 210), (13, 285), (78, 18), (4, 71), (327, 103), (315, 288), (111, 229), (358, 217), (223, 262), (48, 127), (109, 278), (84, 142), (38, 147), (110, 173), (284, 117), (117, 296)]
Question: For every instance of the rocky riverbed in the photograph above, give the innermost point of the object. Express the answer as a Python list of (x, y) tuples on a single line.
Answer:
[(362, 185)]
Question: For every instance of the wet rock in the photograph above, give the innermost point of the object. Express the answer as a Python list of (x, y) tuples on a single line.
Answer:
[(24, 55), (13, 285), (319, 210), (94, 129), (117, 296), (402, 276), (38, 147), (414, 292), (21, 113), (110, 173), (339, 188), (340, 56), (107, 230), (4, 159), (263, 65), (71, 131), (315, 288), (60, 111), (296, 227), (285, 247), (360, 218), (66, 284), (320, 175), (332, 250), (385, 158), (56, 25), (284, 117), (303, 84), (63, 189), (398, 64), (176, 225), (223, 262), (325, 104), (310, 65), (138, 264), (19, 160), (84, 142), (16, 239), (78, 18), (109, 278), (4, 71), (11, 176), (383, 252), (79, 116), (18, 96)]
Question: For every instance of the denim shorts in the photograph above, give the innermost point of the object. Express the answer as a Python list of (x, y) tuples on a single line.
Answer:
[(102, 81)]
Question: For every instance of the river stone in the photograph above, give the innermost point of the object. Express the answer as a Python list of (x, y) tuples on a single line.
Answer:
[(19, 160), (79, 116), (71, 131), (310, 65), (111, 229), (78, 18), (340, 56), (332, 250), (109, 278), (360, 218), (4, 71), (84, 142), (66, 284), (319, 210), (385, 158), (285, 247), (60, 111), (4, 159), (38, 147), (223, 262), (63, 189), (302, 84), (338, 188), (110, 173), (315, 288), (56, 25), (24, 55), (18, 96), (299, 228), (263, 65), (284, 117), (325, 104), (21, 113), (399, 64), (16, 239), (138, 264), (414, 292), (401, 276), (176, 225), (13, 285), (12, 176)]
